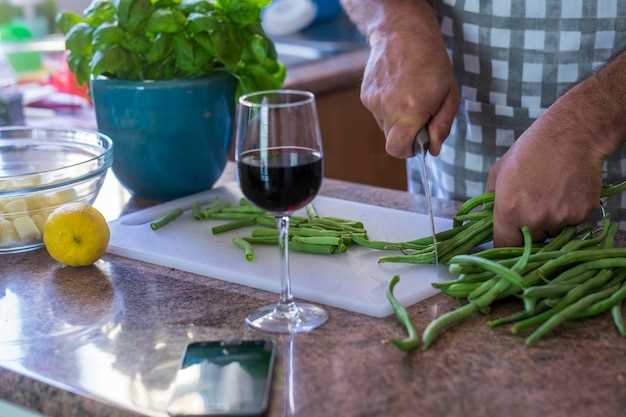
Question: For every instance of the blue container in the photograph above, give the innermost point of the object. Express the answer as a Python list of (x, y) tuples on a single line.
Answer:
[(171, 137)]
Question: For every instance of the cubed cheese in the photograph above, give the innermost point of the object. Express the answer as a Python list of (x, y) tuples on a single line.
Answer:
[(8, 234), (26, 229), (15, 207), (62, 197), (39, 220), (37, 202)]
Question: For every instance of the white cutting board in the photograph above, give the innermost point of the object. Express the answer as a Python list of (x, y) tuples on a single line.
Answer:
[(353, 281)]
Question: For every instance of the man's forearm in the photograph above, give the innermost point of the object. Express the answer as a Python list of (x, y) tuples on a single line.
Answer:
[(374, 17), (599, 105)]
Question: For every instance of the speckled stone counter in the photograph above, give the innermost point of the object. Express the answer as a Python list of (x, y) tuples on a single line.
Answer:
[(106, 340)]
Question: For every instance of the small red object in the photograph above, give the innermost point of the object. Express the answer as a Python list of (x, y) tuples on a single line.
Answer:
[(65, 82)]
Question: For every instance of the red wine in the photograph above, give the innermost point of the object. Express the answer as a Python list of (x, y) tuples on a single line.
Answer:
[(282, 179)]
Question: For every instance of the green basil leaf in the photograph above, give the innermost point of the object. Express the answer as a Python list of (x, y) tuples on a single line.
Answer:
[(204, 41), (65, 21), (99, 11), (184, 54), (258, 47), (202, 22), (107, 34), (136, 43), (139, 13), (80, 67), (78, 39), (123, 11), (200, 6), (107, 60), (166, 20), (161, 47)]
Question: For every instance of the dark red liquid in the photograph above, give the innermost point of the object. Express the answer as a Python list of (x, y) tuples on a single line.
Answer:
[(280, 180)]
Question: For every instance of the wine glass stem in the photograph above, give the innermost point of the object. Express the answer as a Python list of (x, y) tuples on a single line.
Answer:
[(286, 303)]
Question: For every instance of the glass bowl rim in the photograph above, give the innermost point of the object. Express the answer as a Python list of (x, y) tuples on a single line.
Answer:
[(106, 154), (106, 150)]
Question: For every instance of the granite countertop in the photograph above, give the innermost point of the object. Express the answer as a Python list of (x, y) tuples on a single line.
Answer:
[(106, 340)]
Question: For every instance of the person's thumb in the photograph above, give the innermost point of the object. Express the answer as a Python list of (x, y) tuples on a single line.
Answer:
[(400, 138)]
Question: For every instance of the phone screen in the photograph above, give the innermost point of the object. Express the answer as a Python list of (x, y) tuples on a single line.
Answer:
[(219, 378)]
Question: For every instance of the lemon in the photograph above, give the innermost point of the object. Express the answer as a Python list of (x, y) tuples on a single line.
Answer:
[(76, 234)]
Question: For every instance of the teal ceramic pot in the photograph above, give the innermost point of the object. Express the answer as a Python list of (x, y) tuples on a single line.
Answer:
[(171, 138)]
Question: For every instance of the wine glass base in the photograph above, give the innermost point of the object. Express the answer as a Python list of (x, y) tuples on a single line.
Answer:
[(298, 318)]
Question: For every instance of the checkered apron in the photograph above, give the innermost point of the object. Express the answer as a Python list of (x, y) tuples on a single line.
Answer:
[(512, 60)]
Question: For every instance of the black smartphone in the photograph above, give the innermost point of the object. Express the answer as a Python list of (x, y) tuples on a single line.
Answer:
[(223, 379)]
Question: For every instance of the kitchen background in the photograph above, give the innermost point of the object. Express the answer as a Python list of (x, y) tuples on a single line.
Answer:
[(323, 52)]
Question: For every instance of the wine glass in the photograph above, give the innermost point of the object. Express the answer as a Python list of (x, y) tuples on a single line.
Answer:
[(279, 165)]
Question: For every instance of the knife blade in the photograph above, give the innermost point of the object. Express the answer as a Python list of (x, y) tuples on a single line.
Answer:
[(421, 143)]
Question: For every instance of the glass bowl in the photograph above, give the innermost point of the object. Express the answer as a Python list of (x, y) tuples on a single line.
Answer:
[(41, 169)]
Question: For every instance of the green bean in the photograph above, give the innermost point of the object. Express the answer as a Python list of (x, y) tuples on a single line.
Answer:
[(523, 260), (214, 207), (567, 313), (311, 212), (597, 264), (242, 209), (318, 240), (246, 246), (560, 240), (266, 221), (609, 240), (244, 222), (510, 275), (579, 244), (196, 211), (441, 323), (244, 202), (266, 232), (315, 249), (441, 236), (606, 304), (548, 291), (459, 290), (504, 253), (372, 244), (449, 251), (520, 315), (412, 341), (479, 215), (482, 289), (307, 231), (168, 218), (546, 270), (572, 296), (269, 240), (407, 259), (611, 190), (618, 319), (472, 203), (228, 216)]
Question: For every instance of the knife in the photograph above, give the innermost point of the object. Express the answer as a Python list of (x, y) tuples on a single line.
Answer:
[(421, 142)]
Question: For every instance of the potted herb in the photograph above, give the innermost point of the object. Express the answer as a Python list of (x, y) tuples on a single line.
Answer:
[(164, 76)]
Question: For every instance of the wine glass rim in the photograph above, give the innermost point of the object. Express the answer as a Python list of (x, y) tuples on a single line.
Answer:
[(307, 98)]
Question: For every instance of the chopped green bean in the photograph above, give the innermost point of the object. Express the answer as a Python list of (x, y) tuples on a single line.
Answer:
[(244, 222), (318, 240), (168, 218), (246, 247)]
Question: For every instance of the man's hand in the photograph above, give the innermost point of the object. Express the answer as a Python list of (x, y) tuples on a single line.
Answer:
[(548, 179), (409, 82)]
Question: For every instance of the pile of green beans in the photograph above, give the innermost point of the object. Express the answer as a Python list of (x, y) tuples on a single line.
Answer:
[(576, 275), (312, 234)]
